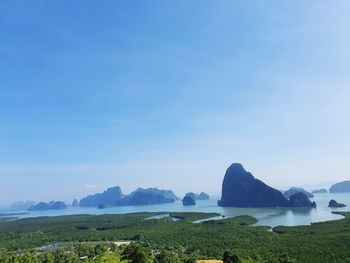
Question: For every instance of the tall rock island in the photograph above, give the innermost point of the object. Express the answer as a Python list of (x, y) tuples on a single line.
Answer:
[(108, 197), (241, 189)]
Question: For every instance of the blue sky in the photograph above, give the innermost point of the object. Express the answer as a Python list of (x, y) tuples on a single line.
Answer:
[(169, 93)]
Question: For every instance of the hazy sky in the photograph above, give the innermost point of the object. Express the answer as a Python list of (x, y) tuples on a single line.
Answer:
[(169, 93)]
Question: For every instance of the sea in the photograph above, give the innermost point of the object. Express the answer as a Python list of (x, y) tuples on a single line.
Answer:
[(266, 216)]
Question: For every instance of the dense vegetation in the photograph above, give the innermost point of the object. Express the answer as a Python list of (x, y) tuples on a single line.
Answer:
[(181, 241)]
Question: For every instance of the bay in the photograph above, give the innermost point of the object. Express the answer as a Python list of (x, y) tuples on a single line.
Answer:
[(265, 216)]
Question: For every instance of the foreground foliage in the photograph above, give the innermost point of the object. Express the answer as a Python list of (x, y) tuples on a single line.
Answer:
[(162, 240)]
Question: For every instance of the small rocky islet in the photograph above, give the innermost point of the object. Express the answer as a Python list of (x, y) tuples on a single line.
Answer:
[(334, 204)]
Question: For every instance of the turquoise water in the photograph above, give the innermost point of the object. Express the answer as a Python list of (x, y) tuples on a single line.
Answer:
[(266, 216)]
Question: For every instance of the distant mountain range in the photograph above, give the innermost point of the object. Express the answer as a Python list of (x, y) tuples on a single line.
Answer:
[(54, 205), (21, 205), (114, 197), (34, 206), (148, 196), (108, 197)]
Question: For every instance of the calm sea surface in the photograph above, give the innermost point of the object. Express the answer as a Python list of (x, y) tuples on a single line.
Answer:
[(265, 216)]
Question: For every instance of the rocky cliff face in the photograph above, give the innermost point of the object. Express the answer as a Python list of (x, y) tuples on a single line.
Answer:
[(241, 189), (108, 197), (342, 187)]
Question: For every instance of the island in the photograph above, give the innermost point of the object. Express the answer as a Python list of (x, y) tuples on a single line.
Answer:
[(114, 197), (188, 200), (334, 204), (75, 202), (241, 189), (58, 205), (148, 196), (320, 191), (300, 199), (54, 205), (201, 196), (21, 205), (342, 187), (101, 206), (294, 190), (108, 197)]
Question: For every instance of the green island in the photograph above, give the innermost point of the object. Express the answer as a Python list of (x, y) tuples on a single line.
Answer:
[(94, 238)]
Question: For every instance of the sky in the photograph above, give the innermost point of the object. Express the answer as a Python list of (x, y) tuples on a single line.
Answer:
[(169, 93)]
